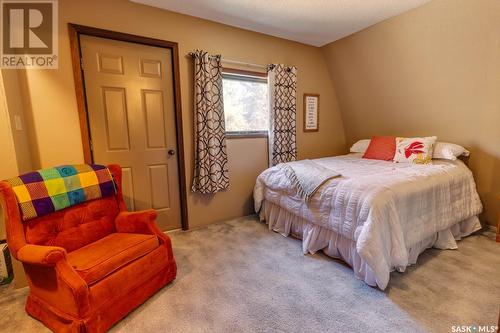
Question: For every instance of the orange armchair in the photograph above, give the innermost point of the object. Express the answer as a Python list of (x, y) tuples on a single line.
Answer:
[(90, 264)]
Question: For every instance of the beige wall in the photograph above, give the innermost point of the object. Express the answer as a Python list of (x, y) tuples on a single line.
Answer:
[(8, 166), (8, 149), (432, 71), (50, 102), (21, 136)]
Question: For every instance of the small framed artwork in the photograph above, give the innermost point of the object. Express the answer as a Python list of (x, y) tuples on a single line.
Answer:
[(311, 112)]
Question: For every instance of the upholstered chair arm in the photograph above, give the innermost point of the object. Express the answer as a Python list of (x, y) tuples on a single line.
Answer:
[(142, 222), (41, 255), (47, 266)]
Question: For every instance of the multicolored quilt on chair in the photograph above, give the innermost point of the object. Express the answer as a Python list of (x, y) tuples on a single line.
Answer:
[(48, 190)]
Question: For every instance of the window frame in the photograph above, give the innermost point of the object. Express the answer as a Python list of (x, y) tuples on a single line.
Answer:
[(251, 76)]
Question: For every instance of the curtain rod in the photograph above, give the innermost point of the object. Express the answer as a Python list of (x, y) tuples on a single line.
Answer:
[(236, 62)]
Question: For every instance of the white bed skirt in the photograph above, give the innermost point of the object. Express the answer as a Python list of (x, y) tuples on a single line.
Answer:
[(315, 238)]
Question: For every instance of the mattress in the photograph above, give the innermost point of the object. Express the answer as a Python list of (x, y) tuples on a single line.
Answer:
[(384, 209)]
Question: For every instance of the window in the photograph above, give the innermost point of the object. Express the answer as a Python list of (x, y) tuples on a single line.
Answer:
[(245, 103)]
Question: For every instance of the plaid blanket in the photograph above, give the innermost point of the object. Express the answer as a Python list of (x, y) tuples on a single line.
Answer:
[(48, 190)]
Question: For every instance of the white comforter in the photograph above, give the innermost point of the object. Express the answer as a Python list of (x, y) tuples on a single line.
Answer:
[(384, 207)]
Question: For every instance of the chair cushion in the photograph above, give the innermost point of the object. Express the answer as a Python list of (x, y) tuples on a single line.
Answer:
[(101, 258)]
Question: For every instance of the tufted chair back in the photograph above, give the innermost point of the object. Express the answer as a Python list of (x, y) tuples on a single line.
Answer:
[(75, 226), (70, 228)]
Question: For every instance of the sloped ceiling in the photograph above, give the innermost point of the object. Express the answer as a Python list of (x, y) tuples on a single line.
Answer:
[(313, 22)]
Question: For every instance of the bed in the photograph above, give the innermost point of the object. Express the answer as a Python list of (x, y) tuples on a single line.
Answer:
[(378, 216)]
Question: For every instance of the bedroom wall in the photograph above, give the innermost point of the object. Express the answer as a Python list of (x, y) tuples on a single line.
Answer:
[(434, 70), (20, 135), (8, 167), (14, 147), (49, 95)]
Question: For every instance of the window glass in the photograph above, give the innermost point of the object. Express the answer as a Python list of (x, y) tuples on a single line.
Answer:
[(245, 103)]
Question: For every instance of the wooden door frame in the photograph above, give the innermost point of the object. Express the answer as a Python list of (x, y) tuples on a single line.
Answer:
[(75, 31)]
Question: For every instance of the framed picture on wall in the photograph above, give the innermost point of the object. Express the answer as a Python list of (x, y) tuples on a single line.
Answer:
[(311, 112)]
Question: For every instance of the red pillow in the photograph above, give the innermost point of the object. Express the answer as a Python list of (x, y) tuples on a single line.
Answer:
[(381, 148)]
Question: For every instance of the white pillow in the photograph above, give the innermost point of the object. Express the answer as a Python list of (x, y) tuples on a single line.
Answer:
[(449, 151), (414, 150), (361, 146)]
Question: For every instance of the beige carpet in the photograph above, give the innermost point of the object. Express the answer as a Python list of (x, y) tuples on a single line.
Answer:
[(238, 276)]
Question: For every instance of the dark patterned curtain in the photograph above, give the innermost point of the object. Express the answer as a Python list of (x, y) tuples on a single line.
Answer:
[(210, 165), (282, 111)]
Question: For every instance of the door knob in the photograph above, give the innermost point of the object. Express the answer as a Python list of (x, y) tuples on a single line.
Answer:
[(171, 152)]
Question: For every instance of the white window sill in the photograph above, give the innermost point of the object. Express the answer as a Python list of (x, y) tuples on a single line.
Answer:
[(243, 135)]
